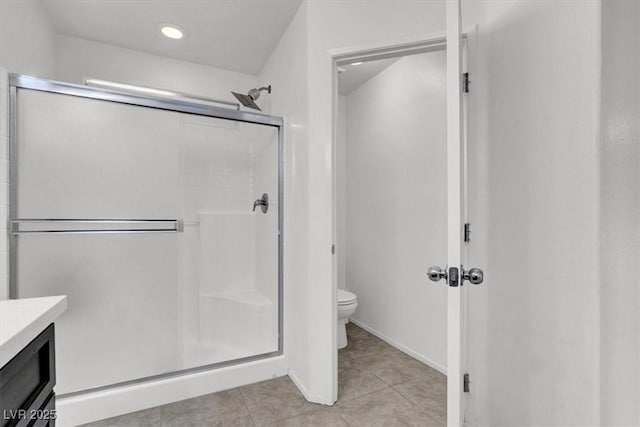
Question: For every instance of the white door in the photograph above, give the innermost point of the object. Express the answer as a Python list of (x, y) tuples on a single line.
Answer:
[(454, 274)]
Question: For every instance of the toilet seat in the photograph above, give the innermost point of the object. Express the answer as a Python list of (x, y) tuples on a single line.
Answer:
[(346, 297)]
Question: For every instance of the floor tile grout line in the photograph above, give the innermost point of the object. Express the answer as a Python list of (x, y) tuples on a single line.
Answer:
[(244, 401), (413, 405), (405, 397), (388, 385), (365, 394), (421, 409), (430, 390), (345, 420), (305, 412)]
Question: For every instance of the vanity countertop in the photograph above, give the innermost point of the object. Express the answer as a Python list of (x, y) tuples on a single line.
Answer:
[(21, 320)]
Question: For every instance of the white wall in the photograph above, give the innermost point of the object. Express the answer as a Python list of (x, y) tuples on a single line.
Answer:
[(534, 323), (77, 59), (286, 70), (27, 39), (396, 210), (26, 47), (619, 207)]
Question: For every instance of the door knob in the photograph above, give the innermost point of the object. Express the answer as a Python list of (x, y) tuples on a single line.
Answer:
[(436, 273), (473, 275)]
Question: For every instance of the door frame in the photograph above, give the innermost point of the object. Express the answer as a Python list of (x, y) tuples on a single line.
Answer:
[(423, 43)]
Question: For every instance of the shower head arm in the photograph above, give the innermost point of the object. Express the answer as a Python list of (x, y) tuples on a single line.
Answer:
[(255, 93)]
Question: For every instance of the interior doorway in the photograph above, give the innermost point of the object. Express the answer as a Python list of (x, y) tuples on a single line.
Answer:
[(390, 223)]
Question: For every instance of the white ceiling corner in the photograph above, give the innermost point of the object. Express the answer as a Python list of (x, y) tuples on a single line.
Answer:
[(355, 76), (237, 35)]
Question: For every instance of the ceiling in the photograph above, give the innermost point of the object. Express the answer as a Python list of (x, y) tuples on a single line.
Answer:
[(355, 76), (237, 35)]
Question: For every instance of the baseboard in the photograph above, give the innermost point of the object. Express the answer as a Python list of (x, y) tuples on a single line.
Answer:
[(98, 405), (311, 398), (438, 367)]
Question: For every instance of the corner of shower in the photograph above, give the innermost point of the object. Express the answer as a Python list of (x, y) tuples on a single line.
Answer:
[(148, 228)]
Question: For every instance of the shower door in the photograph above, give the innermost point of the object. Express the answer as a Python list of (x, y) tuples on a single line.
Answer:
[(141, 211)]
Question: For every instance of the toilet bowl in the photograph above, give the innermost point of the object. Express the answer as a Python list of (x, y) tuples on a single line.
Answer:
[(347, 303)]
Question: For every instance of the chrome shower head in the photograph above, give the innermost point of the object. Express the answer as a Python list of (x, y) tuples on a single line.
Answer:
[(249, 99)]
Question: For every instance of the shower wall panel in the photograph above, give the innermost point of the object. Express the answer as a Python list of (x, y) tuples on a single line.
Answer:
[(265, 180), (224, 166)]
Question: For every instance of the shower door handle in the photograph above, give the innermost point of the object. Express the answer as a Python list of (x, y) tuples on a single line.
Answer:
[(94, 226)]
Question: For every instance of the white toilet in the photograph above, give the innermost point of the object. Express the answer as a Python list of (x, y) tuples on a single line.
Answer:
[(347, 303)]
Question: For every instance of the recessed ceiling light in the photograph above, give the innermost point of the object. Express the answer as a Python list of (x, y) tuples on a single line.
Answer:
[(356, 63), (172, 31)]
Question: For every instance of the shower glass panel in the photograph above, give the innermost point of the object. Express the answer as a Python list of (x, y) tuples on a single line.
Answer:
[(144, 218)]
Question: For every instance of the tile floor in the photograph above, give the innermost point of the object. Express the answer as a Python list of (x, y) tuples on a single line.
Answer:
[(378, 386)]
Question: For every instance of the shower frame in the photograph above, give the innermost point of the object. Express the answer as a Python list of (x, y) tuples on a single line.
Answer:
[(19, 81)]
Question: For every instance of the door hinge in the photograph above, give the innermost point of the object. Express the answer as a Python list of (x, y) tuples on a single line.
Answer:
[(467, 232), (465, 383), (465, 82)]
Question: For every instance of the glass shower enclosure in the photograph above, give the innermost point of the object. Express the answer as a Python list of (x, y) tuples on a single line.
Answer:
[(148, 214)]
